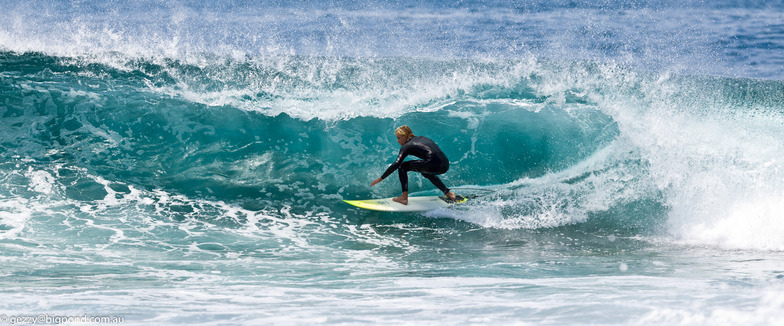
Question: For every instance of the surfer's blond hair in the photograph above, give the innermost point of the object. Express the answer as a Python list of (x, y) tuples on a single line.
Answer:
[(404, 131)]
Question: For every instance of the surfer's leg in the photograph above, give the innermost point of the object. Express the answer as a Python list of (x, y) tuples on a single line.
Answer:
[(439, 184), (416, 166), (402, 173), (429, 170)]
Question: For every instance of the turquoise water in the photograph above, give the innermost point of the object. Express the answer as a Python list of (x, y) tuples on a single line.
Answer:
[(185, 163)]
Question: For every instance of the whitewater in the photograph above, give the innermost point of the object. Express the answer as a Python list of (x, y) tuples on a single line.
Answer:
[(185, 162)]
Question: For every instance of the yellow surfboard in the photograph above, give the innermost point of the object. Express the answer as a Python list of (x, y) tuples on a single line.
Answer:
[(415, 204)]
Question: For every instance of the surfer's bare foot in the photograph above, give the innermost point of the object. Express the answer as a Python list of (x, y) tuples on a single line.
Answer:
[(451, 196), (402, 199)]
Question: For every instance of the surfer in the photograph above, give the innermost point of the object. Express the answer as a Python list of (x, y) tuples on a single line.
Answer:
[(433, 162)]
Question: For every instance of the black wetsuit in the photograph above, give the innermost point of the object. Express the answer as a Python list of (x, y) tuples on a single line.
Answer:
[(433, 162)]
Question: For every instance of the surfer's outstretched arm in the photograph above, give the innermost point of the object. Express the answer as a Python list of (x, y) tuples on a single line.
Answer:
[(400, 156), (389, 170)]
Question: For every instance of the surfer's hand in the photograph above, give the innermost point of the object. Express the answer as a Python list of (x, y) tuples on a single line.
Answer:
[(375, 182)]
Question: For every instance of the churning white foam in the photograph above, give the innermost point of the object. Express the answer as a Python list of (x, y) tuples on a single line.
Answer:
[(560, 198), (714, 154), (768, 311)]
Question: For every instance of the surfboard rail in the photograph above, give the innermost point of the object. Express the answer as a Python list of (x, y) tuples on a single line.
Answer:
[(415, 203)]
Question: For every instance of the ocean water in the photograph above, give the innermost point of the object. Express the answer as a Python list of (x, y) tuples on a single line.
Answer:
[(184, 162)]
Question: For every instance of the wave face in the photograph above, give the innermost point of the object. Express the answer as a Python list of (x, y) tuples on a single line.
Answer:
[(174, 143), (558, 141)]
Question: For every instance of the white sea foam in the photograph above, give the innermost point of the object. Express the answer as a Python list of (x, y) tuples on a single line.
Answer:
[(560, 198), (14, 214), (41, 181), (718, 165), (769, 310)]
